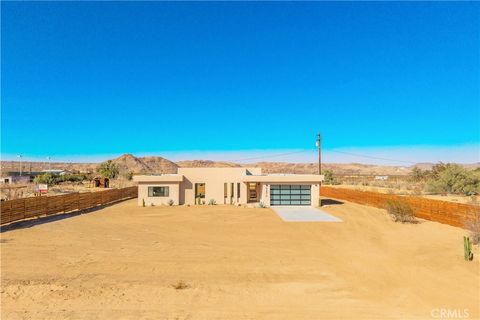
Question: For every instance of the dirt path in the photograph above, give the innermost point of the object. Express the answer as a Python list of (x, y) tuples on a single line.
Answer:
[(123, 262)]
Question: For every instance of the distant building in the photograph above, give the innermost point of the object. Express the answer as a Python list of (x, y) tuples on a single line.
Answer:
[(8, 179), (57, 172), (383, 178)]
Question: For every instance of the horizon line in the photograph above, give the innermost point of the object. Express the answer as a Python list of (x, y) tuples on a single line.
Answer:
[(393, 155)]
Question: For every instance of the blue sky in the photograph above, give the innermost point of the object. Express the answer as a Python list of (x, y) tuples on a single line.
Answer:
[(236, 80)]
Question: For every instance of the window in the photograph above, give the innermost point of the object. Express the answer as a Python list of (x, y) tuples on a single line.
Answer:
[(231, 190), (158, 191), (238, 190), (200, 190)]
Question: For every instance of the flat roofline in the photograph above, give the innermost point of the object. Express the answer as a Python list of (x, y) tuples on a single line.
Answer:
[(284, 178), (158, 178), (220, 168)]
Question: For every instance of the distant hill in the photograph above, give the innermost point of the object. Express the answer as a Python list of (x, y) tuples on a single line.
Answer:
[(207, 164), (154, 164)]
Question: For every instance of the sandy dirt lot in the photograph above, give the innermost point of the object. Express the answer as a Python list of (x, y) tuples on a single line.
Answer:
[(124, 261)]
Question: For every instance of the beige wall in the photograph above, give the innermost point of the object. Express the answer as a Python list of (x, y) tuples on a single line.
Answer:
[(214, 179), (174, 193), (182, 185)]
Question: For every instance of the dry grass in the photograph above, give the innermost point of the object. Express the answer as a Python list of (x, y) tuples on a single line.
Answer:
[(180, 285), (400, 211)]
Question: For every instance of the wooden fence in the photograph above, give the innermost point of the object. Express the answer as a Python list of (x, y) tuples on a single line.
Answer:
[(19, 209), (454, 214)]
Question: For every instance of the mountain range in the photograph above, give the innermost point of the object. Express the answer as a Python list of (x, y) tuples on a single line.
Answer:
[(155, 164)]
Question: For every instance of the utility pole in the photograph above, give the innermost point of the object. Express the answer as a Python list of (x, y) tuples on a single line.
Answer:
[(318, 144), (20, 156), (49, 165)]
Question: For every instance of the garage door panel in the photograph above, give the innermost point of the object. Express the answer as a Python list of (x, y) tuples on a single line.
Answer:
[(286, 195)]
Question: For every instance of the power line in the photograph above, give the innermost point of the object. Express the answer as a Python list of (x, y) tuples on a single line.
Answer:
[(335, 151), (270, 156), (371, 157)]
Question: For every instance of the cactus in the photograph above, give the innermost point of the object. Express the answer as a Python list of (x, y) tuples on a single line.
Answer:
[(143, 202), (467, 249)]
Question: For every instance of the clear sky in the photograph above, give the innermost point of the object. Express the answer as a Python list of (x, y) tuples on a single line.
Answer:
[(82, 80)]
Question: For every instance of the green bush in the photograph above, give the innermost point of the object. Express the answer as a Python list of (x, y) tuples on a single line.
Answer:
[(453, 178), (72, 178), (329, 178), (418, 175), (45, 178), (400, 211), (129, 175), (108, 169)]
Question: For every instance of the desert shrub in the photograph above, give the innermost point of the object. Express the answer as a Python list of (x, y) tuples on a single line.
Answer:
[(108, 169), (170, 202), (400, 211), (180, 285), (262, 205), (329, 178), (453, 178), (418, 175), (45, 178), (72, 178), (212, 202), (129, 175)]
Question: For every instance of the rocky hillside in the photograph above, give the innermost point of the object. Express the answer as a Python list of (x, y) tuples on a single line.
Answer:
[(128, 162), (207, 164), (153, 164)]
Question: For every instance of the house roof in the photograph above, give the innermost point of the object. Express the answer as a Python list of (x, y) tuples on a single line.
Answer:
[(159, 178), (284, 178)]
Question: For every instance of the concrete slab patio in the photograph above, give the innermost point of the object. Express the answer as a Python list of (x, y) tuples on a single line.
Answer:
[(304, 214)]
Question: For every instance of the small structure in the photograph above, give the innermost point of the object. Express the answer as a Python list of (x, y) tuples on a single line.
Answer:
[(101, 182), (9, 179), (56, 172), (383, 178)]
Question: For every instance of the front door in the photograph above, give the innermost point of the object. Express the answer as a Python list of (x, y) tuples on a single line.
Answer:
[(199, 193), (252, 192)]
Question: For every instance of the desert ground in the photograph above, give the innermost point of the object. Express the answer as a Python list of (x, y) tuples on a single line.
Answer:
[(225, 262)]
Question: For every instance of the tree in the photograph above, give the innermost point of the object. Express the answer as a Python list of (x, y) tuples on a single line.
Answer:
[(418, 174), (329, 178), (108, 169), (453, 178)]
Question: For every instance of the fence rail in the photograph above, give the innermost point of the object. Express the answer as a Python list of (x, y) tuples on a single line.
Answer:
[(454, 214), (19, 209)]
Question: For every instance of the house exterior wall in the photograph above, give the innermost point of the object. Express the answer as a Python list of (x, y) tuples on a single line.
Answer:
[(182, 185), (214, 180), (174, 193)]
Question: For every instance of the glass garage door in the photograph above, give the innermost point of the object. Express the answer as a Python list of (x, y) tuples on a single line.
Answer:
[(290, 195)]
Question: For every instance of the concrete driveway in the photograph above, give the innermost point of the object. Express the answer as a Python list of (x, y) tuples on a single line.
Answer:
[(303, 214)]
